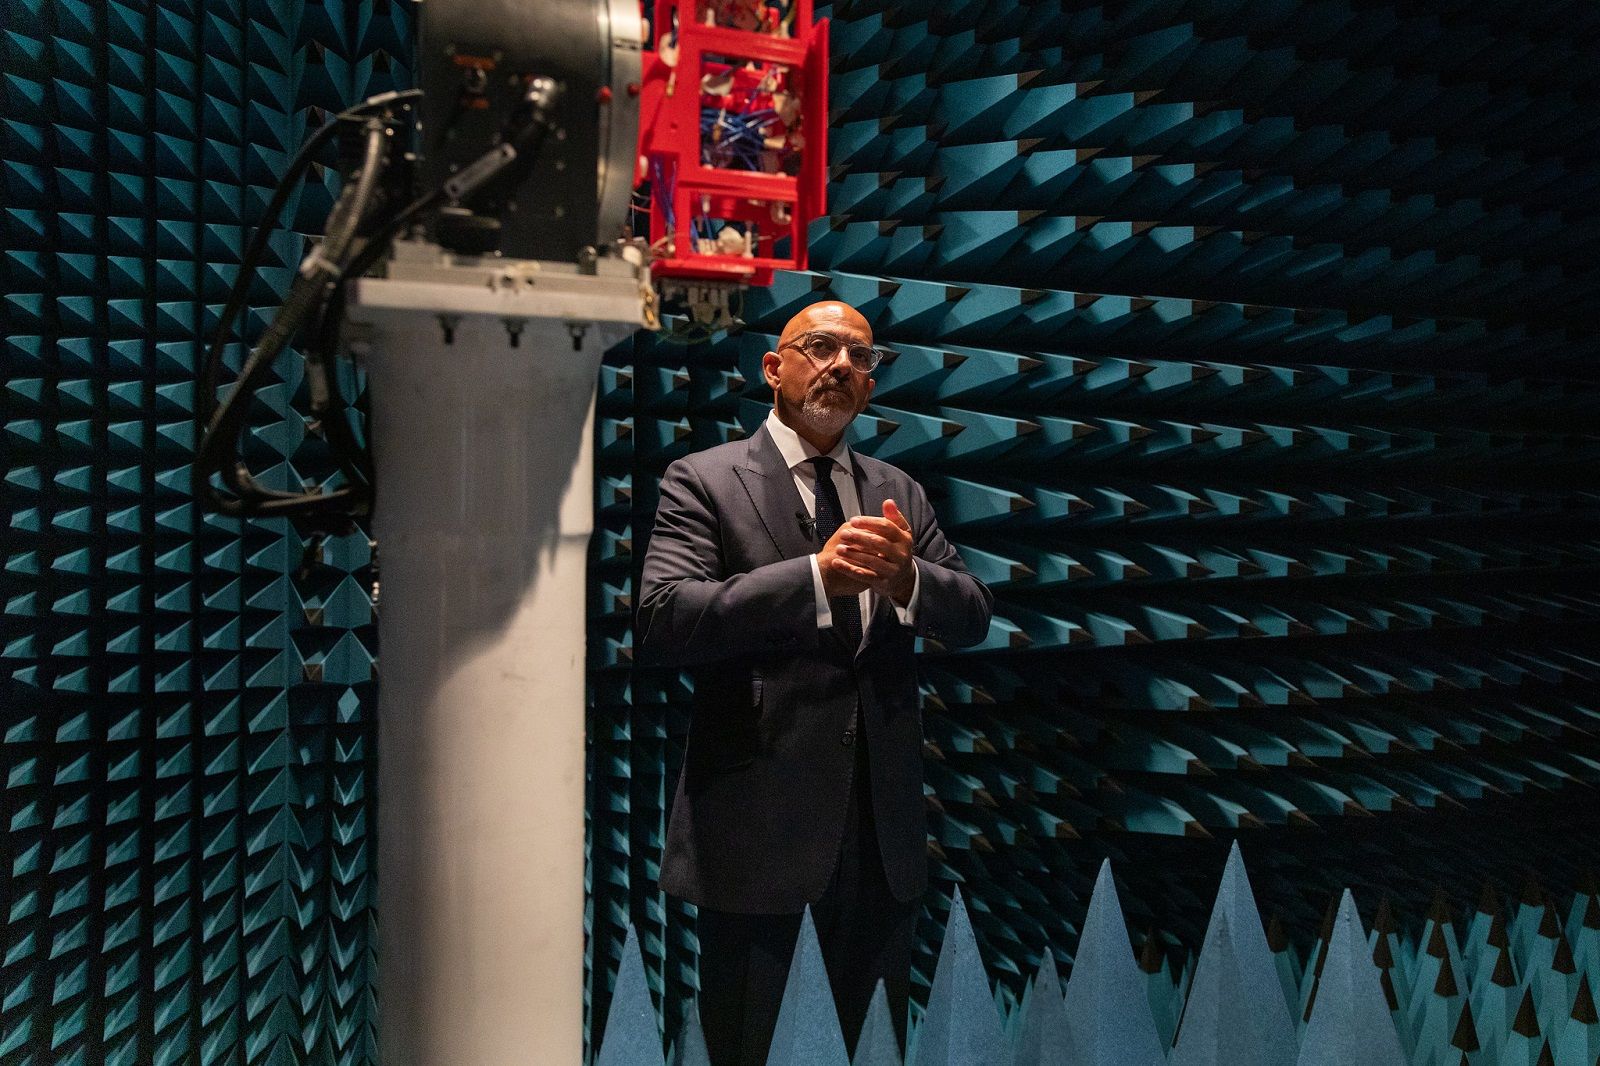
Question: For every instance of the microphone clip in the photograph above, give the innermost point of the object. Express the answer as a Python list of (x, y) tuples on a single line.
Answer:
[(808, 525)]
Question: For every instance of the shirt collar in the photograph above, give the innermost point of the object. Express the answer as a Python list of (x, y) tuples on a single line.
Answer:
[(796, 449)]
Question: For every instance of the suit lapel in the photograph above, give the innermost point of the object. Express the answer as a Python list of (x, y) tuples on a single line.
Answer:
[(872, 488), (767, 479), (770, 484)]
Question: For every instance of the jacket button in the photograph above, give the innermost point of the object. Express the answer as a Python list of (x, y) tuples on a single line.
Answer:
[(849, 738)]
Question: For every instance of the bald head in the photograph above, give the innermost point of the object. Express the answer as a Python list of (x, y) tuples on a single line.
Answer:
[(832, 315), (817, 398)]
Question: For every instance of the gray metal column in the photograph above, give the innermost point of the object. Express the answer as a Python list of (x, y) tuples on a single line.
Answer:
[(483, 517)]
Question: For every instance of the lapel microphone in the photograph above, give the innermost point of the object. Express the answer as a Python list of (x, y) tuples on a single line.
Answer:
[(808, 525)]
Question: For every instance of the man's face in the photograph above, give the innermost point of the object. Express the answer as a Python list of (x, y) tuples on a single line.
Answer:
[(824, 394)]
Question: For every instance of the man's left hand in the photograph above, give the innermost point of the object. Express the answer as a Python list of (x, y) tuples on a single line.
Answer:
[(883, 546)]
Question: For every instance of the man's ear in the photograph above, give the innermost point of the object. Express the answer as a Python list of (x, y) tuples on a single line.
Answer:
[(872, 383), (769, 369)]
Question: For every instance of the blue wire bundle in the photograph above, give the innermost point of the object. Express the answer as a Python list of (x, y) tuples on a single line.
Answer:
[(734, 140)]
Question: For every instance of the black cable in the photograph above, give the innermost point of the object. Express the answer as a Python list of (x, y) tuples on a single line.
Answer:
[(355, 462), (527, 145), (342, 227), (306, 296), (212, 360), (317, 294), (322, 351), (228, 422), (317, 297)]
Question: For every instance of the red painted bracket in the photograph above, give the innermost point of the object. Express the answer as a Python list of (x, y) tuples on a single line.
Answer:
[(683, 188)]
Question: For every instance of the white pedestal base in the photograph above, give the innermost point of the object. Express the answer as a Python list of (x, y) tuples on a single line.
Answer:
[(483, 517)]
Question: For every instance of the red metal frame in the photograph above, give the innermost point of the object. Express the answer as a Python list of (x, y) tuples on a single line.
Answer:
[(669, 135)]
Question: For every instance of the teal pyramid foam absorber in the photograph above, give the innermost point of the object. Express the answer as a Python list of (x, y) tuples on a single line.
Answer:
[(1247, 356), (1042, 1034), (632, 1035), (1108, 1017), (877, 1044), (807, 1029), (960, 1025), (187, 744), (1350, 1021)]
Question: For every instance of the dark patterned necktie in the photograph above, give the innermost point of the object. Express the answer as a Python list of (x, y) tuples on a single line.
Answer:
[(830, 516)]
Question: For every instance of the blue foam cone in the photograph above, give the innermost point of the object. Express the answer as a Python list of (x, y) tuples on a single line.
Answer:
[(1257, 972), (1350, 1019), (633, 1037), (1108, 1012), (1042, 1037), (877, 1044), (691, 1048), (962, 1027), (1209, 1033), (807, 1032)]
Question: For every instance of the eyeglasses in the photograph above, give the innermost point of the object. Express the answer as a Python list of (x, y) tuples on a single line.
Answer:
[(822, 347)]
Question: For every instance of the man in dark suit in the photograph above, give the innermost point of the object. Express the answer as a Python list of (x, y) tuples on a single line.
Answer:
[(791, 576)]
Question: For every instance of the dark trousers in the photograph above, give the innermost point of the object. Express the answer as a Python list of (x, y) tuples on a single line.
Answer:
[(866, 935)]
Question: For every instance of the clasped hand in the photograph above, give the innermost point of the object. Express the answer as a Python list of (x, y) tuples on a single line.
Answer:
[(868, 552)]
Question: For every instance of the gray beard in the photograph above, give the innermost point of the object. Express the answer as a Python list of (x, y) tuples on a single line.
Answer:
[(825, 419)]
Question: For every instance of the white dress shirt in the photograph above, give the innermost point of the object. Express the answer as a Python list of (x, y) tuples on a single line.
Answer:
[(796, 451)]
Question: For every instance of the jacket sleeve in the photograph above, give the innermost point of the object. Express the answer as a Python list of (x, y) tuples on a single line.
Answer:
[(690, 612), (953, 606)]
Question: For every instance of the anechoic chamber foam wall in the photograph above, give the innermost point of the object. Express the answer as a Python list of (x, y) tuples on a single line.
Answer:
[(186, 702), (1246, 350)]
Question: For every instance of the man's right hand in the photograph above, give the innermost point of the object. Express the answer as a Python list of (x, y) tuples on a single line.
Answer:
[(839, 576)]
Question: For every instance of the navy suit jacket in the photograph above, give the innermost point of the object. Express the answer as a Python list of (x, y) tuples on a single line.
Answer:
[(727, 593)]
